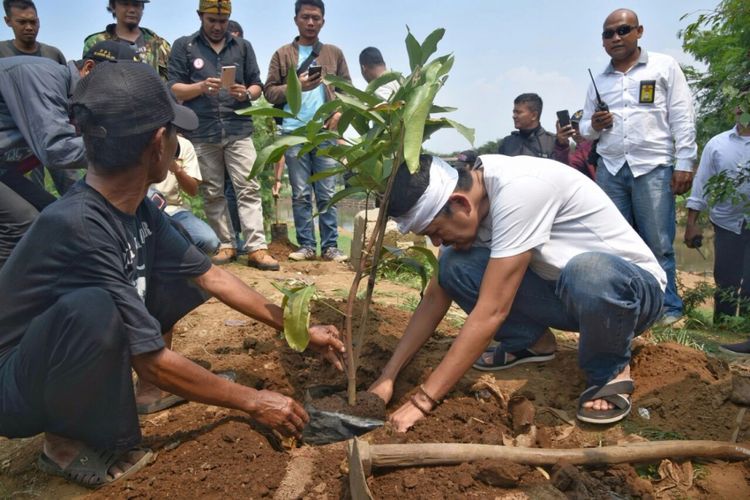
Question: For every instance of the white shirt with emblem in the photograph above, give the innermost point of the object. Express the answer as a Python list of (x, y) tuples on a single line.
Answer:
[(653, 124)]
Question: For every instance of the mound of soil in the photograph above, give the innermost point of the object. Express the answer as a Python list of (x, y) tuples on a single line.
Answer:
[(217, 453)]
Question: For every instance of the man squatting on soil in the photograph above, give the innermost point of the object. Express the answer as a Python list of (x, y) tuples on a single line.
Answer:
[(526, 245), (95, 301)]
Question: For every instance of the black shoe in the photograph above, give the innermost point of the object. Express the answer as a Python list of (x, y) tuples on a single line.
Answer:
[(741, 349)]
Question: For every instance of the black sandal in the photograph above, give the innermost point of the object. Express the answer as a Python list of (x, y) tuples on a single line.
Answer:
[(90, 468), (616, 392)]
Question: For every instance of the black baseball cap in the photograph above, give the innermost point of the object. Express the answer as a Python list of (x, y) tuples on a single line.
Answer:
[(110, 51), (469, 156), (124, 99)]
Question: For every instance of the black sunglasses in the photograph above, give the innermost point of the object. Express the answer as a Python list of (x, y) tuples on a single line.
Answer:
[(620, 30)]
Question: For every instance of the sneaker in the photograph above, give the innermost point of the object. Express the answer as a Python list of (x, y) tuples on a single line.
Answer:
[(224, 256), (304, 253), (262, 260), (741, 349), (667, 320), (334, 254)]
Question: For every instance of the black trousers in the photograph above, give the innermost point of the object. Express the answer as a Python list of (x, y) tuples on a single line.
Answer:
[(731, 272), (20, 202), (71, 374)]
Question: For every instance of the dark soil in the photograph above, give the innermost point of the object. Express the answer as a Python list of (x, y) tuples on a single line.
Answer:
[(368, 405), (210, 452)]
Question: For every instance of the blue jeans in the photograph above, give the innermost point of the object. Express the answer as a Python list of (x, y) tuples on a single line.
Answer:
[(200, 232), (648, 204), (301, 168), (602, 296)]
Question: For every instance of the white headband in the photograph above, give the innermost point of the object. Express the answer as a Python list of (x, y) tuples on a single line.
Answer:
[(443, 180)]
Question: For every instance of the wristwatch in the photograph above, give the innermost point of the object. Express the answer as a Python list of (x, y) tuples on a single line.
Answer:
[(248, 94)]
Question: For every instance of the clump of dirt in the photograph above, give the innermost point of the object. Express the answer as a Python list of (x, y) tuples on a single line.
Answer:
[(368, 405), (281, 248)]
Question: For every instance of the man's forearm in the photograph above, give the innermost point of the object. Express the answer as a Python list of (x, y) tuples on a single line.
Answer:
[(172, 372), (188, 91), (422, 324), (236, 294)]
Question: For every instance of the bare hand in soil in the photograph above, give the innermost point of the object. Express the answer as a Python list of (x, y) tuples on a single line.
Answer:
[(279, 413), (325, 340), (405, 417), (382, 388)]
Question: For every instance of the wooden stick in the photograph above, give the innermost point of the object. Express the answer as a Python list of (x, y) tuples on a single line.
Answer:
[(407, 455), (740, 418)]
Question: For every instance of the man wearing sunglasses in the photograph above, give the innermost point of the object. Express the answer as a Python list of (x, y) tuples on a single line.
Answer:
[(646, 136)]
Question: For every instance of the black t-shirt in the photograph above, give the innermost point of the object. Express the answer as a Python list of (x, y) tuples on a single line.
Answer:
[(83, 241)]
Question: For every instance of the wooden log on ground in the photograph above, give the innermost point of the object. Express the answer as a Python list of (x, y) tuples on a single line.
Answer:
[(419, 454)]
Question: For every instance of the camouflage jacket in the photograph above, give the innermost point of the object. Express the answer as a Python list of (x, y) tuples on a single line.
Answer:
[(155, 50)]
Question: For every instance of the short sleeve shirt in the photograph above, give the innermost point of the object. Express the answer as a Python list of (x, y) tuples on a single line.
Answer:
[(556, 213), (83, 241), (170, 187)]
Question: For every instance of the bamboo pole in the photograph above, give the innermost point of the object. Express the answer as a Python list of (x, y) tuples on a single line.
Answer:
[(409, 455)]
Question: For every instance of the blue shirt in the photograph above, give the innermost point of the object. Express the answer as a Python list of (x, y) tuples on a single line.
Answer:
[(311, 99), (727, 152)]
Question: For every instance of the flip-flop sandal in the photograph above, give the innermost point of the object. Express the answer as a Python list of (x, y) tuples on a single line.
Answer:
[(173, 399), (90, 468), (500, 359), (616, 392)]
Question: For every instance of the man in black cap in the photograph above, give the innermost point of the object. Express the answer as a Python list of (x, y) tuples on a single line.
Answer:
[(96, 299), (35, 130)]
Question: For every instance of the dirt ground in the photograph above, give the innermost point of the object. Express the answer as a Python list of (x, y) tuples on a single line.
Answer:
[(210, 452)]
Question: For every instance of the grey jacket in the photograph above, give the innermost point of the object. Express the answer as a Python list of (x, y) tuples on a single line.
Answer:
[(34, 120)]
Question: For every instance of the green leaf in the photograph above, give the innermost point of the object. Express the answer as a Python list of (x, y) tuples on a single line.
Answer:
[(387, 77), (360, 107), (415, 115), (441, 109), (429, 255), (274, 112), (326, 174), (413, 49), (293, 91), (343, 194), (273, 152), (349, 89), (326, 110), (465, 131), (297, 318), (429, 46)]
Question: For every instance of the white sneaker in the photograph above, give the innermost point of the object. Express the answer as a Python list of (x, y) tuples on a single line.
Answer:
[(334, 254), (304, 253)]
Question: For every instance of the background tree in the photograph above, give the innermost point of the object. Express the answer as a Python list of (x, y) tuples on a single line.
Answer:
[(721, 40)]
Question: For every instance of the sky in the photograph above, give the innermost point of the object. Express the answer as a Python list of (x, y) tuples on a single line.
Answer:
[(502, 48)]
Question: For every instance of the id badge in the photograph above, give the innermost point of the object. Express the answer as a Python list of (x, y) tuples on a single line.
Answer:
[(647, 92)]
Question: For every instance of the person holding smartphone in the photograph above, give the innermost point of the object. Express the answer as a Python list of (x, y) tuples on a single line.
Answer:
[(223, 139), (578, 157), (313, 61)]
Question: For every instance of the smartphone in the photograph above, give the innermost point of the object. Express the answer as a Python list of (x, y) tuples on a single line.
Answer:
[(314, 71), (563, 117), (227, 76)]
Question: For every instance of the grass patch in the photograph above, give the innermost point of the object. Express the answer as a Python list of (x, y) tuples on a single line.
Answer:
[(652, 433), (409, 303)]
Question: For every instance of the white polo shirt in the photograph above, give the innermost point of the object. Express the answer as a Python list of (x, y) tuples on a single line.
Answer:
[(540, 205), (654, 121)]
